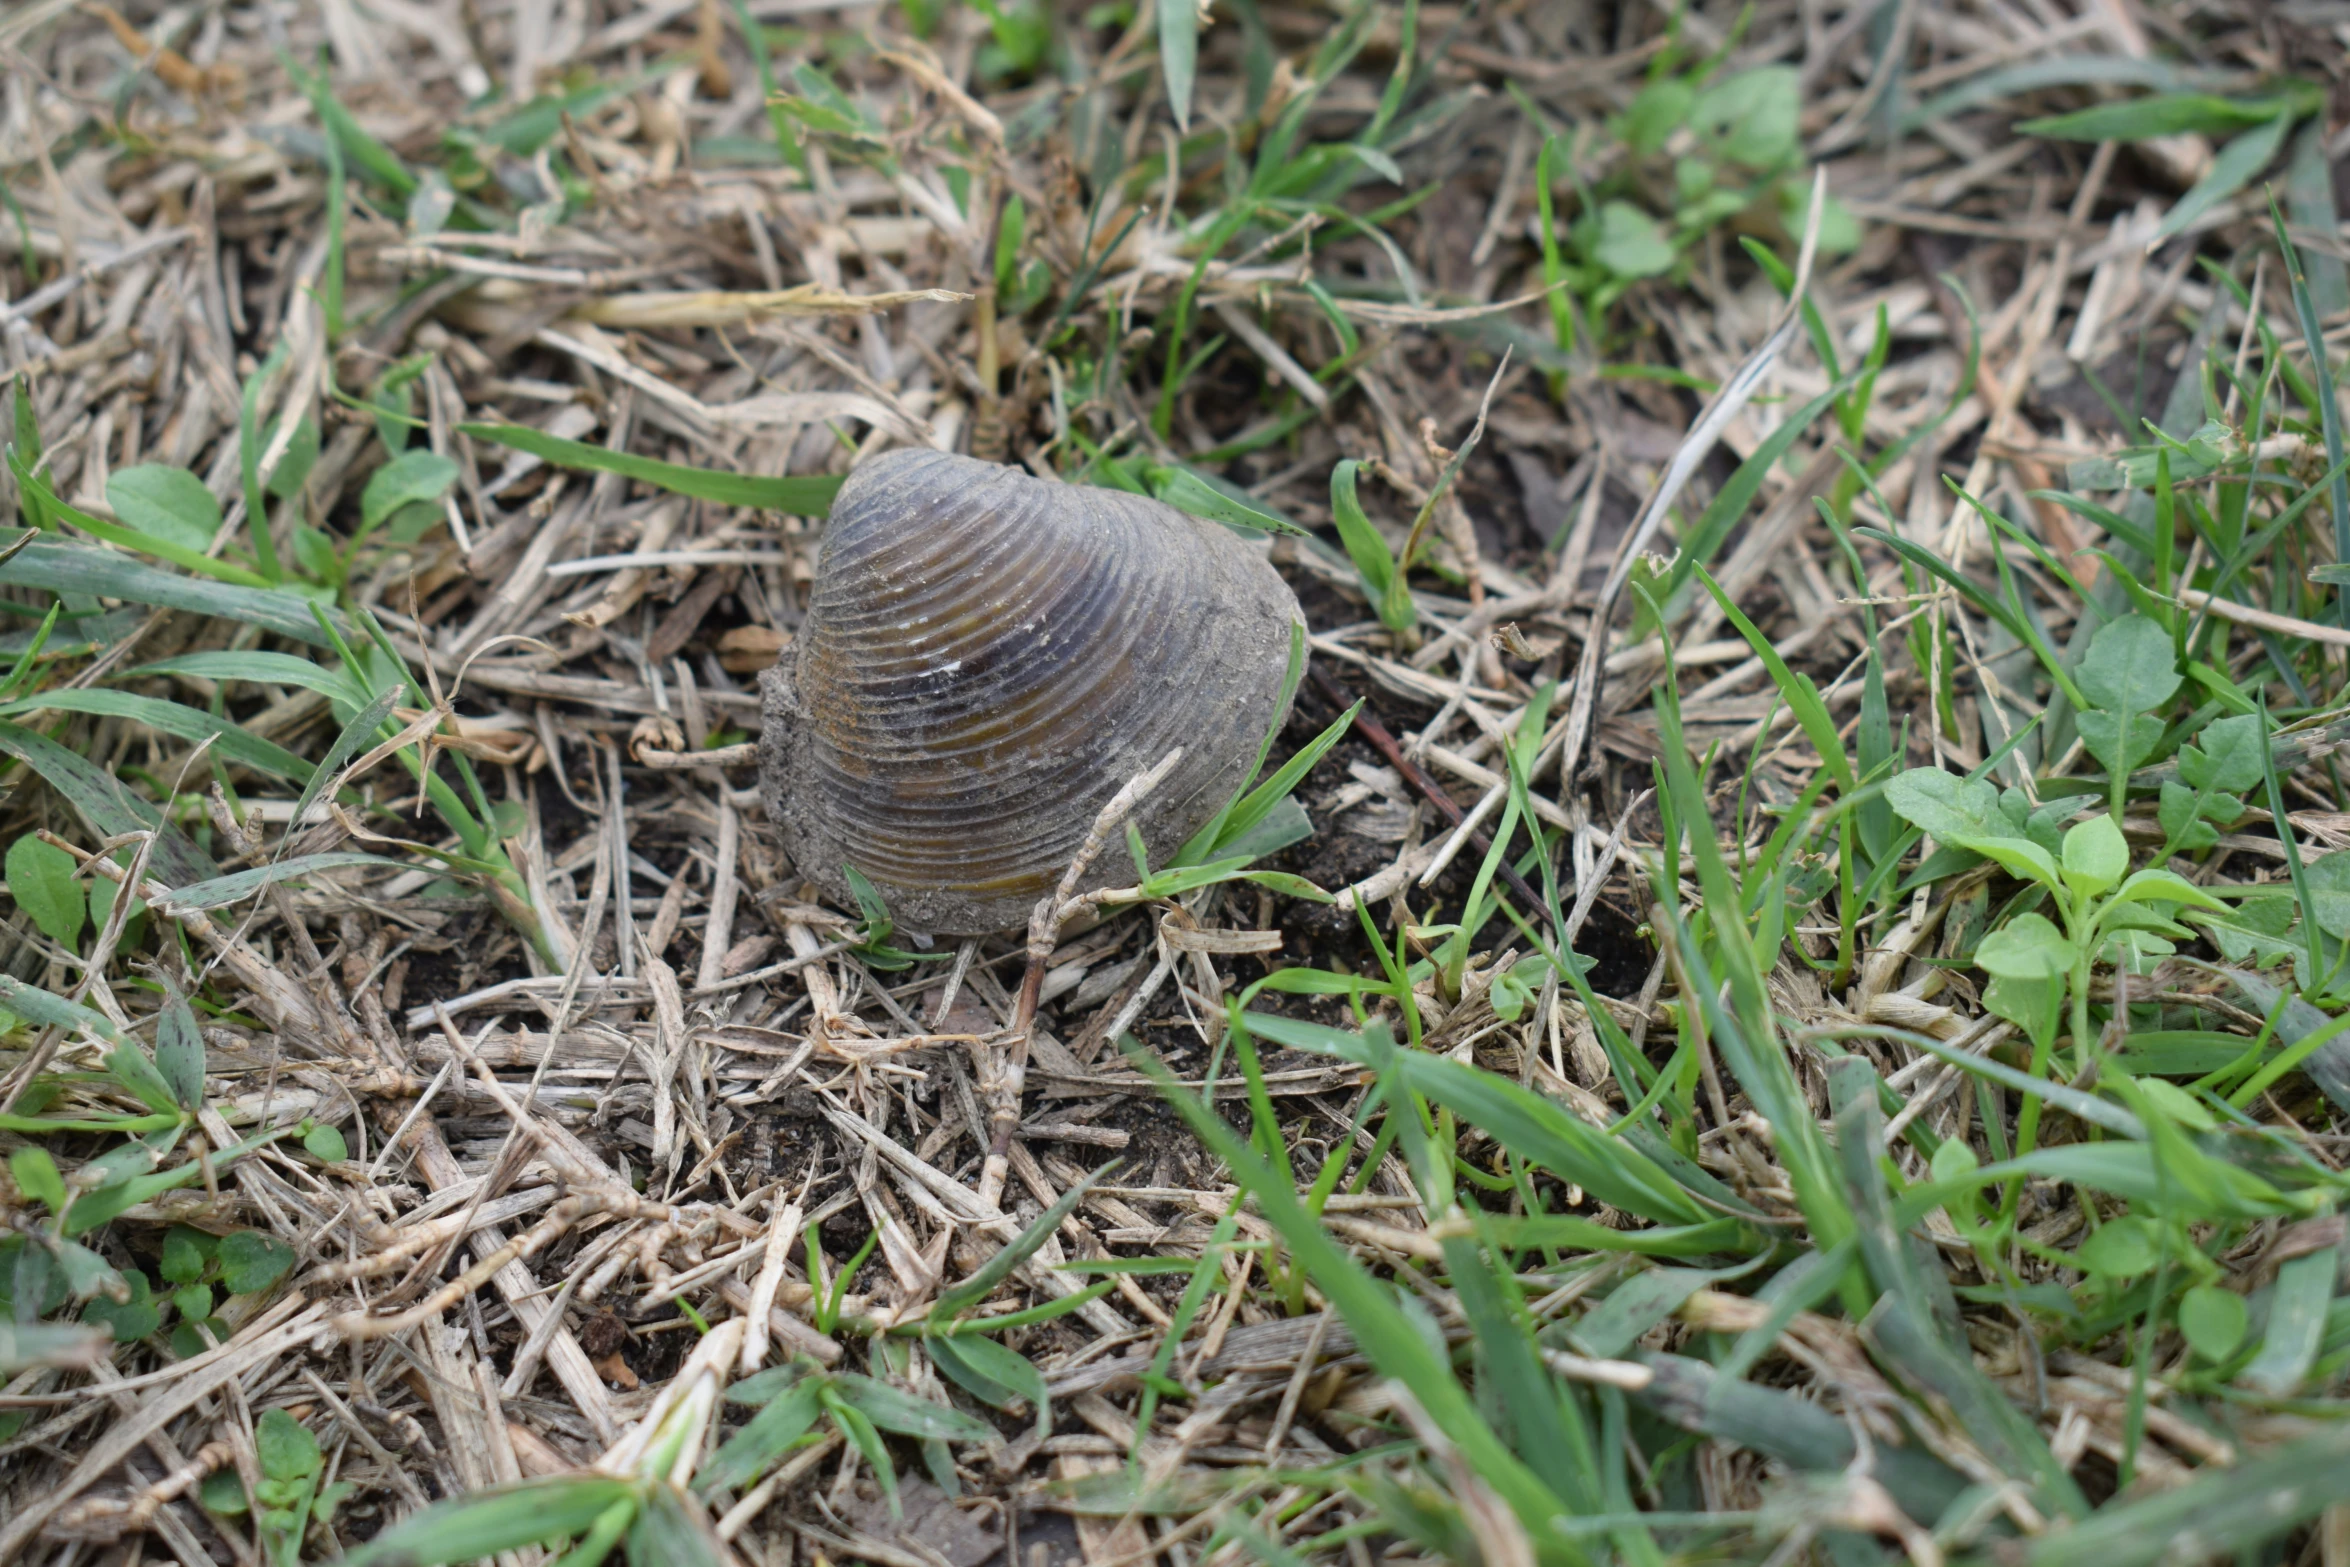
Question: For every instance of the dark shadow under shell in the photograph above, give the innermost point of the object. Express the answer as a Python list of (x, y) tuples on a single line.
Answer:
[(987, 658)]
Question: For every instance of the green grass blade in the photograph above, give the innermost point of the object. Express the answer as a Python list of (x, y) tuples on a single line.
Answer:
[(463, 1528), (2230, 172), (1395, 1348), (36, 491), (68, 568), (1799, 692), (249, 443), (954, 1302), (259, 668), (1179, 56), (2328, 407), (2218, 1515), (172, 718), (107, 804), (221, 891), (804, 497)]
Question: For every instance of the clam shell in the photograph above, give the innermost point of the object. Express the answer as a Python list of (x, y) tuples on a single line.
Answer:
[(987, 658)]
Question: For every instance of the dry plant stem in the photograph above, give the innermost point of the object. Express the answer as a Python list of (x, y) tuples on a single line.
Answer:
[(1428, 788), (1004, 1069)]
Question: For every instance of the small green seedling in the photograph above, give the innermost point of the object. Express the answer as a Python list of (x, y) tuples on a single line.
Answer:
[(200, 1271), (287, 1500), (870, 941)]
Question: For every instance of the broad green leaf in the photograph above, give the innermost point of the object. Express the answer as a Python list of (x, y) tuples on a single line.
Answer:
[(128, 1320), (1946, 806), (418, 475), (36, 1177), (285, 1446), (2123, 741), (2181, 814), (251, 1261), (2096, 856), (1751, 118), (2130, 666), (165, 503), (37, 492), (487, 1522), (2027, 947), (38, 1006), (185, 1253), (2122, 1249), (2213, 1321), (2019, 857), (179, 1050), (327, 1143), (41, 879), (809, 497), (1658, 109), (2156, 885), (2329, 892), (903, 1413), (2255, 932), (1628, 242), (103, 892), (128, 1065), (1839, 230), (989, 1372), (2225, 758)]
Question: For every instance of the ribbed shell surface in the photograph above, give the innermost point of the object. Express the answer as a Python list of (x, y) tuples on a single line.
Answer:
[(986, 659)]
